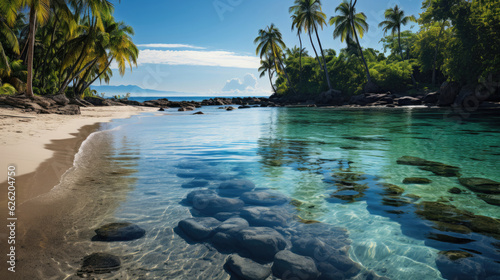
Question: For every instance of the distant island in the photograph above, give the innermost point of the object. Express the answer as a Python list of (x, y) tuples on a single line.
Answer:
[(132, 89)]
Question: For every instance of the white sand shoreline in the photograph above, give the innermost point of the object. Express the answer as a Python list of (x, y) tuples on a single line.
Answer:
[(24, 136)]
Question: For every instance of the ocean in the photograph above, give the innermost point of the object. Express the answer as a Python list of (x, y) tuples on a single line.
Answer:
[(184, 98), (337, 168)]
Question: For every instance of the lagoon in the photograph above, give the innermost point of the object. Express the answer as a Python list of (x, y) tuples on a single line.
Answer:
[(339, 166)]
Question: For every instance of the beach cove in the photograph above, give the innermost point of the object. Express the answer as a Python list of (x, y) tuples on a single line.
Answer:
[(326, 172)]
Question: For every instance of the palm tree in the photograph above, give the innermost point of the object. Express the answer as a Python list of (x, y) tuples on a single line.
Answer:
[(267, 65), (39, 14), (8, 15), (119, 48), (308, 15), (271, 45), (299, 30), (394, 18), (296, 51), (348, 24)]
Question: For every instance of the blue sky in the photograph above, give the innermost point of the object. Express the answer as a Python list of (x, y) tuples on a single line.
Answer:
[(205, 47)]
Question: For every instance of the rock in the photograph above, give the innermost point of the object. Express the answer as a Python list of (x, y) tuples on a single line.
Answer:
[(199, 113), (448, 93), (431, 98), (230, 108), (202, 193), (391, 189), (443, 170), (408, 101), (262, 243), (199, 228), (161, 110), (43, 102), (330, 97), (195, 184), (97, 101), (68, 110), (263, 198), (208, 174), (213, 204), (455, 190), (119, 232), (467, 98), (232, 223), (235, 188), (481, 185), (188, 108), (264, 216), (414, 180), (373, 87), (456, 255), (244, 107), (99, 263), (224, 216), (490, 198), (247, 269), (60, 99), (288, 265)]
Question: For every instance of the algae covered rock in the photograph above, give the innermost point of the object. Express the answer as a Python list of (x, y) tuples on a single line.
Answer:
[(481, 185), (99, 263), (415, 180), (247, 269)]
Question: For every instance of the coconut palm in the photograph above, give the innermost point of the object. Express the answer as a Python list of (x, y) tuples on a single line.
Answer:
[(8, 15), (308, 16), (118, 48), (271, 46), (348, 25), (394, 19), (299, 30), (267, 65)]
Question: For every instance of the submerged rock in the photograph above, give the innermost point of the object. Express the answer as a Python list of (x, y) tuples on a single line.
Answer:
[(264, 216), (213, 204), (119, 232), (247, 269), (490, 199), (199, 228), (288, 265), (195, 184), (235, 188), (99, 263), (391, 189), (481, 185), (455, 190), (414, 180), (261, 242), (201, 193), (435, 167), (264, 198)]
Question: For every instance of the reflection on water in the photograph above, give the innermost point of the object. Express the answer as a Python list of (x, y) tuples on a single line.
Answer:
[(340, 168)]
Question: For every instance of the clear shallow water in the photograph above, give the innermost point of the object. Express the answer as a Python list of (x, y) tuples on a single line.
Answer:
[(308, 155)]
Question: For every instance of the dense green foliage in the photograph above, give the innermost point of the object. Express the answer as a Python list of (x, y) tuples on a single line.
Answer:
[(61, 46), (458, 40)]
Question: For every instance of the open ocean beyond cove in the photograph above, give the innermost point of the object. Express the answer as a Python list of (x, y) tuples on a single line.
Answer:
[(334, 178)]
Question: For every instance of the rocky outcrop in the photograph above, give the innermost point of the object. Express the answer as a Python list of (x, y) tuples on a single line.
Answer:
[(41, 105), (448, 93)]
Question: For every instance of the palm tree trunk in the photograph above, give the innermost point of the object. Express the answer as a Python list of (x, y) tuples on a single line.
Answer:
[(362, 56), (31, 53), (286, 75), (314, 48), (271, 80), (86, 85), (436, 54), (325, 69), (300, 57)]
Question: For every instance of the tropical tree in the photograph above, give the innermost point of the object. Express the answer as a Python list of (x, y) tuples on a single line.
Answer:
[(299, 31), (308, 16), (394, 19), (348, 24), (271, 46), (8, 15), (267, 66)]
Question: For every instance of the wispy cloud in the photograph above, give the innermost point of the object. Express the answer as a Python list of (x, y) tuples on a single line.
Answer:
[(198, 58), (170, 46)]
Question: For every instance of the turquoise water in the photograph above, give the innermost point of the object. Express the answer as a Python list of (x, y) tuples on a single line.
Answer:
[(334, 161)]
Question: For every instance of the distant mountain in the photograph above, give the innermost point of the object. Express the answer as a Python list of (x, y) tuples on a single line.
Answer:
[(132, 89)]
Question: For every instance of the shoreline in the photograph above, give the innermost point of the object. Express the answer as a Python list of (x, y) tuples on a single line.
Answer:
[(45, 153)]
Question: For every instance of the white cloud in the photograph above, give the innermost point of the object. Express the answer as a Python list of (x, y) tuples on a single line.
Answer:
[(237, 85), (198, 58), (170, 46)]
